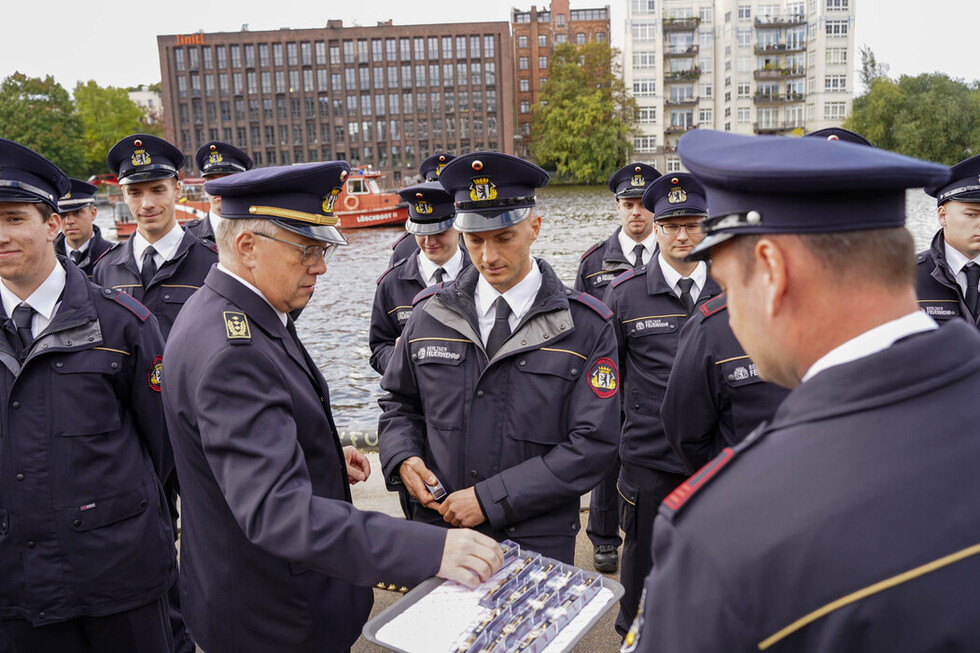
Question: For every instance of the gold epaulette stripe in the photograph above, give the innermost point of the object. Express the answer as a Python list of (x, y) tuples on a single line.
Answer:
[(880, 586), (941, 301), (729, 360), (396, 308), (654, 317), (442, 339), (128, 285), (595, 274), (164, 285), (566, 351), (116, 351), (276, 212)]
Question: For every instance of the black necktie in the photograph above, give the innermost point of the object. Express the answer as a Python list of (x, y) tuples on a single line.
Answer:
[(440, 275), (23, 316), (972, 293), (149, 266), (638, 256), (76, 257), (501, 327), (685, 285)]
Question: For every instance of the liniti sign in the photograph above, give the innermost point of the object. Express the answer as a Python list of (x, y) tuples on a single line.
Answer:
[(190, 39)]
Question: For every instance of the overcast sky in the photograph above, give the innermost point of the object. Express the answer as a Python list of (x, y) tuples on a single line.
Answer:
[(114, 43)]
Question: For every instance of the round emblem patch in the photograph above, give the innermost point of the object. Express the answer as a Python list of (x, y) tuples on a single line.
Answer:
[(154, 374), (604, 378)]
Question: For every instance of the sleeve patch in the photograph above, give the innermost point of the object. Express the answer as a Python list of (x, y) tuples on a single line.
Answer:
[(134, 305), (155, 374), (431, 290), (595, 304), (604, 378)]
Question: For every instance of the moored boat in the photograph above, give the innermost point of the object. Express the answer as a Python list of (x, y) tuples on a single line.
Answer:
[(362, 202)]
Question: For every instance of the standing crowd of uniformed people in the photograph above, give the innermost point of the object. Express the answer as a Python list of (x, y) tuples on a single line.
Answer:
[(764, 388)]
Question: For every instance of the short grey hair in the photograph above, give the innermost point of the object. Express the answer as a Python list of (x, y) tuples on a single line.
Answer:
[(228, 230)]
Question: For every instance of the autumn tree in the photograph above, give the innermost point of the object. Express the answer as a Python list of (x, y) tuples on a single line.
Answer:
[(582, 124)]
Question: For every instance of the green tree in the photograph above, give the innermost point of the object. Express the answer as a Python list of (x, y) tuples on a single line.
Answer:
[(583, 121), (929, 116), (106, 115), (870, 68), (39, 114)]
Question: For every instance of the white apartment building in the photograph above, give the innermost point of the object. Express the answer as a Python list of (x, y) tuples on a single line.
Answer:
[(745, 66)]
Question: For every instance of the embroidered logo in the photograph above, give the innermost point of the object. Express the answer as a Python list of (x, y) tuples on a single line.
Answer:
[(604, 378), (141, 157), (482, 188), (236, 325), (330, 200), (155, 374)]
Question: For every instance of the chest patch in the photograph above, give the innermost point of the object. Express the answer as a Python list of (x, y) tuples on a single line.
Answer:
[(741, 371), (439, 352), (940, 310), (604, 378)]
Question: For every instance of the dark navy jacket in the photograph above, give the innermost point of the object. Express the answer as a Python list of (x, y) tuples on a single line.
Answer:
[(935, 284), (649, 317), (201, 227), (175, 281), (602, 263), (397, 287), (403, 248), (532, 430), (714, 396), (273, 555), (97, 246), (83, 450), (867, 471)]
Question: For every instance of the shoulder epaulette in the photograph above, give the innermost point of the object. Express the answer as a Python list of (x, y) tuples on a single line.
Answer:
[(237, 331), (431, 290), (125, 300), (101, 256), (210, 244), (920, 257), (629, 274), (714, 305), (593, 248), (682, 494), (403, 237), (393, 266), (593, 303)]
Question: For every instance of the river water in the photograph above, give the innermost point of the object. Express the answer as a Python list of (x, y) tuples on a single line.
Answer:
[(334, 326)]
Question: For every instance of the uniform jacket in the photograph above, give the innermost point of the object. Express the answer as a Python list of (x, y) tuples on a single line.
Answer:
[(714, 396), (273, 555), (939, 294), (397, 287), (97, 246), (602, 263), (532, 430), (83, 450), (867, 471), (649, 317), (201, 227), (175, 281), (403, 248)]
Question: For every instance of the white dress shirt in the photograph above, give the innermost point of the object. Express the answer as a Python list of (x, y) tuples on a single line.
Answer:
[(519, 298), (957, 261), (45, 300), (282, 316), (672, 276), (69, 249), (649, 243), (871, 342), (214, 220), (165, 248), (452, 267)]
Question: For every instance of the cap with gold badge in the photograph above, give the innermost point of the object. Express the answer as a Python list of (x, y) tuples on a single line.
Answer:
[(632, 180), (675, 195), (142, 157), (26, 176), (432, 166), (217, 158), (430, 209)]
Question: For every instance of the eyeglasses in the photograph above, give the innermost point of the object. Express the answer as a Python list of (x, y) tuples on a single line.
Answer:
[(674, 229), (312, 254)]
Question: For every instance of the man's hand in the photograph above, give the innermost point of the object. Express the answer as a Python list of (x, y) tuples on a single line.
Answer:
[(469, 557), (461, 509), (415, 475), (358, 466)]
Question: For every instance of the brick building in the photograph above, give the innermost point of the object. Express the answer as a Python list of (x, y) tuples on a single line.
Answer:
[(386, 96), (535, 33)]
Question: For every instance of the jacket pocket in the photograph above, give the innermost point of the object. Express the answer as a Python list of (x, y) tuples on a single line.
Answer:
[(86, 384)]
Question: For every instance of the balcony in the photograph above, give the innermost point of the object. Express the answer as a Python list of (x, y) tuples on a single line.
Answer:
[(777, 127), (683, 75), (680, 51), (778, 73), (677, 129), (778, 98), (779, 21), (681, 24), (779, 48), (680, 102)]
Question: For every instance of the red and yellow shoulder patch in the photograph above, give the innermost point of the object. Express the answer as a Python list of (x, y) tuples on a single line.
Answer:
[(604, 378), (155, 374)]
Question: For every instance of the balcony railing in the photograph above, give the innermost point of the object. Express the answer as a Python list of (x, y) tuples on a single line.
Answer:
[(681, 24), (683, 75), (778, 73), (777, 98), (777, 127), (680, 102), (780, 21), (680, 51), (677, 129), (779, 48)]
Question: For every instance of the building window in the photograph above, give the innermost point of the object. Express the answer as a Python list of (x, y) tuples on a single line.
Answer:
[(643, 6), (705, 14), (525, 85), (836, 56), (522, 41), (835, 83), (644, 88), (433, 43), (674, 164), (705, 90), (744, 90), (542, 63), (405, 49), (292, 54), (522, 63), (489, 46), (643, 59), (600, 37), (646, 114), (837, 5), (836, 28), (643, 31), (321, 53), (460, 47), (306, 52), (474, 47), (220, 53), (704, 116), (522, 17), (419, 43), (560, 38), (744, 115), (434, 74), (645, 143), (461, 77), (744, 12), (580, 38), (525, 107), (542, 41)]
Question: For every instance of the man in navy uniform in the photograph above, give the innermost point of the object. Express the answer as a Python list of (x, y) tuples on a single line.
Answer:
[(948, 273), (439, 259), (273, 555), (161, 264), (503, 387), (429, 170), (86, 548), (80, 239), (631, 245), (715, 397), (848, 522), (651, 304), (216, 159)]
